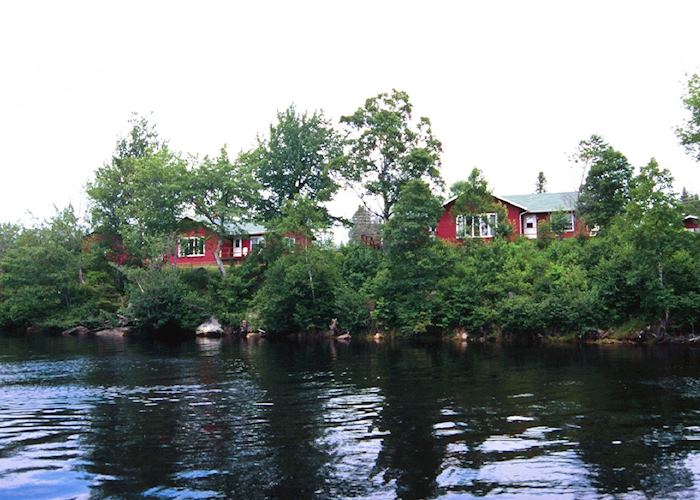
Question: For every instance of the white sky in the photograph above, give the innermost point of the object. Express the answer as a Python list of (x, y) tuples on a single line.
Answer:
[(511, 87)]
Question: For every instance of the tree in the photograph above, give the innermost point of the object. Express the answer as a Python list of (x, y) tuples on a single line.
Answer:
[(140, 196), (541, 183), (222, 194), (386, 149), (690, 203), (9, 233), (689, 133), (41, 273), (652, 224), (474, 198), (300, 158), (298, 294), (151, 218), (414, 261), (606, 190), (109, 192)]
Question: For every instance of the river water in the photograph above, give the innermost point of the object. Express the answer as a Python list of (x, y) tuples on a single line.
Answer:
[(82, 417)]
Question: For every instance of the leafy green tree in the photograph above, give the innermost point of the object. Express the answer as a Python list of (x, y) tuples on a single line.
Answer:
[(473, 198), (414, 262), (140, 195), (689, 133), (541, 183), (161, 302), (158, 187), (386, 149), (299, 292), (606, 190), (300, 158), (690, 203), (9, 233), (222, 194), (43, 279), (109, 192), (652, 224), (559, 223)]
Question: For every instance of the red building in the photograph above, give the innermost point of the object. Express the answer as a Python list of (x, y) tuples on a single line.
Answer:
[(524, 212), (692, 223), (197, 244)]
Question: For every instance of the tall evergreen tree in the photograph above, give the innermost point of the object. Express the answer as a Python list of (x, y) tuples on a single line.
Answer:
[(541, 183)]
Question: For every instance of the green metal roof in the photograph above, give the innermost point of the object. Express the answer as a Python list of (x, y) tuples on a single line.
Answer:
[(236, 229), (544, 202)]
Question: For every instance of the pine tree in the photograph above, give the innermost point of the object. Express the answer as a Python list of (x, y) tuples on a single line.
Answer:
[(541, 184)]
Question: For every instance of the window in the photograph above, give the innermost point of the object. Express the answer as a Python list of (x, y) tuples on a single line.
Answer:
[(256, 240), (191, 247), (477, 226), (237, 247), (291, 240), (570, 225)]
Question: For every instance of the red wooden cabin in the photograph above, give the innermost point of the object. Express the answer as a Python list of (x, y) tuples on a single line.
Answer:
[(524, 212)]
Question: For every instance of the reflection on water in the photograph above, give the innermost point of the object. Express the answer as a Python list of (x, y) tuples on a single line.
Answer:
[(260, 419)]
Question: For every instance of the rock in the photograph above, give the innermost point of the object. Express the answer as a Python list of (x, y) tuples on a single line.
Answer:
[(76, 330), (113, 332), (210, 327)]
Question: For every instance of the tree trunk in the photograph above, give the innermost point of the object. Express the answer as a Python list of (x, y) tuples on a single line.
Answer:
[(217, 257)]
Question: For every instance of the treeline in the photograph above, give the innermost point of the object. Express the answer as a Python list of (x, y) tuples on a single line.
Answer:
[(640, 268)]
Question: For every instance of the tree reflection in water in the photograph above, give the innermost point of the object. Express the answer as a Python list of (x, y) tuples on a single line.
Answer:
[(260, 419)]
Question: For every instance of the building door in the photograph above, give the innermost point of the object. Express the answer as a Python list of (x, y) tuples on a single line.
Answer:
[(530, 226)]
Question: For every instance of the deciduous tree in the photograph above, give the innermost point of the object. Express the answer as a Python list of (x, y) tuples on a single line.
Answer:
[(222, 194), (689, 133), (386, 149), (606, 190), (300, 158)]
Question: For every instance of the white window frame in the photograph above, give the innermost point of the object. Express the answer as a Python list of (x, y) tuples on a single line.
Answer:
[(477, 226), (572, 222), (238, 247), (256, 240), (193, 239)]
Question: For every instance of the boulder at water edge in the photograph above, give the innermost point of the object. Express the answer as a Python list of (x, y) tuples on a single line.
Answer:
[(210, 328)]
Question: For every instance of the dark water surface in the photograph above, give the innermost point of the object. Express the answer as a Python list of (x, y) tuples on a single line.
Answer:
[(116, 418)]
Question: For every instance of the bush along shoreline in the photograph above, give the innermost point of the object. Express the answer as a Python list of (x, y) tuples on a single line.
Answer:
[(112, 272)]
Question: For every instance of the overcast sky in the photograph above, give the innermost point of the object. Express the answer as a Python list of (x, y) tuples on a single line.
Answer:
[(511, 87)]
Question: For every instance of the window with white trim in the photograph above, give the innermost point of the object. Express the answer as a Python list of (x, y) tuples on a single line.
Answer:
[(477, 226), (570, 226), (191, 247), (256, 240)]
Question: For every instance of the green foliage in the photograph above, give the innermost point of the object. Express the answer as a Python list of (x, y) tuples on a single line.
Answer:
[(222, 195), (559, 223), (474, 198), (9, 233), (606, 190), (541, 183), (689, 203), (386, 149), (299, 292), (300, 159), (159, 301), (140, 196), (110, 192), (46, 279), (414, 262), (689, 133)]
